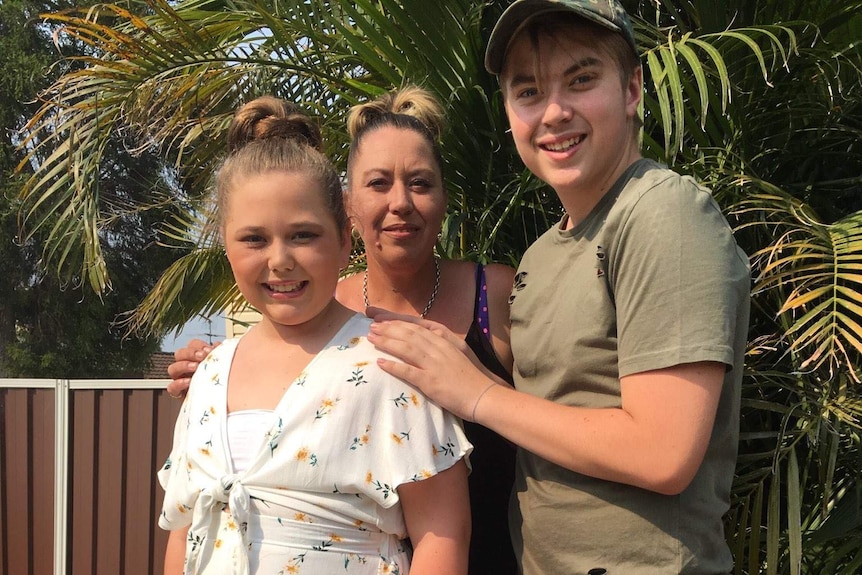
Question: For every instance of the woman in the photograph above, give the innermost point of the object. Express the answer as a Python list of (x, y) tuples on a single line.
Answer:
[(397, 201)]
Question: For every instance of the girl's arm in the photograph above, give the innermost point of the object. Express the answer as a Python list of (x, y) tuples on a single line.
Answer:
[(175, 554), (437, 514)]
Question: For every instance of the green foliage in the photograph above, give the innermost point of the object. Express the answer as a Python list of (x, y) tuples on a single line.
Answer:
[(60, 328), (760, 100), (51, 327)]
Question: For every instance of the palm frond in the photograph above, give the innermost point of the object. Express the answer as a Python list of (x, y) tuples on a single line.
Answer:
[(818, 269)]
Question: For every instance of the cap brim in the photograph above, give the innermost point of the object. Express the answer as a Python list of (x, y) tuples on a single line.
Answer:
[(517, 15)]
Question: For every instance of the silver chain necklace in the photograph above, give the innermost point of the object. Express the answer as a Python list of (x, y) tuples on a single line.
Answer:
[(433, 293)]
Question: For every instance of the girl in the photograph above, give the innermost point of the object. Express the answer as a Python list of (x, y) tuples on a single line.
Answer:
[(293, 452), (397, 200)]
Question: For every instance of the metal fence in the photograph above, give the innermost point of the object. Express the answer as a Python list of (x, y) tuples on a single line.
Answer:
[(78, 494)]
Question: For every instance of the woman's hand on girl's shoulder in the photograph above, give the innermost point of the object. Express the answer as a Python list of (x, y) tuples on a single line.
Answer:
[(186, 362)]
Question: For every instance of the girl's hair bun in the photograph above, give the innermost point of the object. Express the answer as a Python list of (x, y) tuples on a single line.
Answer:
[(268, 117)]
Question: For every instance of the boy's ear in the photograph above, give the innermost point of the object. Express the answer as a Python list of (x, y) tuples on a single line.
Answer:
[(634, 91)]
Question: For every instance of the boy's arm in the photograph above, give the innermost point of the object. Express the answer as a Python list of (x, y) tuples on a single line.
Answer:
[(175, 553), (656, 440), (437, 514)]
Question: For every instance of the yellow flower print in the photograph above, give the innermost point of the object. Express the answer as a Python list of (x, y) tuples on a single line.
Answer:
[(422, 475), (401, 401), (302, 517), (293, 565), (368, 477), (362, 440), (361, 559), (231, 524), (415, 399), (305, 455), (384, 488), (326, 407), (205, 450), (357, 377), (400, 437), (360, 364), (447, 448), (335, 537), (217, 543), (352, 342)]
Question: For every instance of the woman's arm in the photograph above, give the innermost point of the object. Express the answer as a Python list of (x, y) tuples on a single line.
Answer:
[(175, 554), (437, 514), (498, 279), (186, 362)]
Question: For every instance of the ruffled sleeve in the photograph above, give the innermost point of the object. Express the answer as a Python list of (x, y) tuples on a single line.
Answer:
[(174, 477), (398, 434)]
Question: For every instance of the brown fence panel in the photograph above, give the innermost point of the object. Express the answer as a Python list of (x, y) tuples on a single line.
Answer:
[(42, 447), (26, 481), (117, 439), (82, 488), (116, 451), (141, 457)]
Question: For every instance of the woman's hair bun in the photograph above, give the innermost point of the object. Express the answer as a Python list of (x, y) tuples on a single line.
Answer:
[(411, 101), (269, 117)]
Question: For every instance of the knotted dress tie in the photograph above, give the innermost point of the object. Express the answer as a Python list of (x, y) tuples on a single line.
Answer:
[(227, 489)]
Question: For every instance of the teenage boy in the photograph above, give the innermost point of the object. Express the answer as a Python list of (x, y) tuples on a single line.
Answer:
[(629, 320)]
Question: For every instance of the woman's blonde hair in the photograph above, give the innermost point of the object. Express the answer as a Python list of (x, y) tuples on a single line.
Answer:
[(409, 108), (269, 134)]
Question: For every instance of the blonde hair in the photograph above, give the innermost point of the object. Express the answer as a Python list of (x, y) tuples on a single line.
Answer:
[(269, 134), (409, 108)]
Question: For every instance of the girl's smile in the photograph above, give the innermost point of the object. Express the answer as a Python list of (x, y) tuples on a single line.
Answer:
[(284, 246)]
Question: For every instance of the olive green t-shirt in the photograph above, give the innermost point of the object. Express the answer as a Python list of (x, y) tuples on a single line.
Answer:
[(652, 278)]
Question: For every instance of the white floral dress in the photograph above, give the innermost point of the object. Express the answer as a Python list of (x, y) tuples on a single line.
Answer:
[(320, 497)]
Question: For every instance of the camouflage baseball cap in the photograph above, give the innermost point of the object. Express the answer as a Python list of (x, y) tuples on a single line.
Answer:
[(608, 13)]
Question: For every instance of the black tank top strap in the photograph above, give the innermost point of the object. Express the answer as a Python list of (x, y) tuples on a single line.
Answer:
[(493, 460), (478, 303), (479, 335)]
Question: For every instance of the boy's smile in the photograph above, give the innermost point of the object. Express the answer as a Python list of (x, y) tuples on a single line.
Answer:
[(571, 118)]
